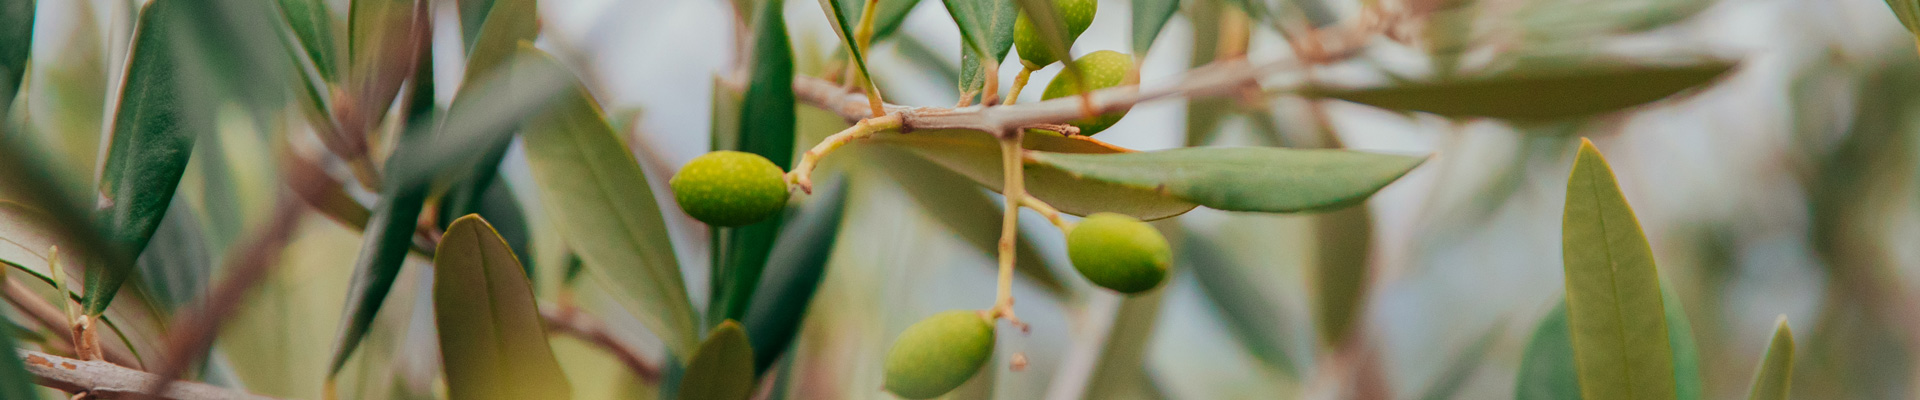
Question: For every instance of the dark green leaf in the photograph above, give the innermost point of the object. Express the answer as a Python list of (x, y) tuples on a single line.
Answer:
[(15, 382), (887, 15), (722, 369), (986, 28), (600, 199), (968, 212), (1614, 304), (1776, 367), (383, 249), (1262, 179), (1148, 17), (1539, 94), (312, 24), (843, 24), (793, 273), (493, 343), (147, 151), (177, 268), (766, 128), (1254, 319), (977, 156), (16, 43)]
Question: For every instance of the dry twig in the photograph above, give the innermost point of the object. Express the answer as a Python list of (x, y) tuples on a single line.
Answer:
[(108, 381)]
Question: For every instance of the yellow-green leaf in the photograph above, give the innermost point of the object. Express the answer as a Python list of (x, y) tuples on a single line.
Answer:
[(1265, 179), (382, 37), (508, 23), (595, 191), (1539, 94), (1614, 306), (492, 341), (722, 369), (977, 155), (1776, 368)]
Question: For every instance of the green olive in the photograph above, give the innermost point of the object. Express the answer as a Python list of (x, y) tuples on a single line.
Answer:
[(730, 188), (939, 353), (1034, 52), (1119, 252), (1104, 69)]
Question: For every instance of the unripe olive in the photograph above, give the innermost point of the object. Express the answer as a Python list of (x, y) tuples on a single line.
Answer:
[(730, 188), (1034, 53), (939, 353), (1104, 69), (1119, 252)]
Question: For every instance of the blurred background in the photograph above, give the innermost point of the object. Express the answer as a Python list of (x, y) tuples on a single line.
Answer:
[(1787, 188)]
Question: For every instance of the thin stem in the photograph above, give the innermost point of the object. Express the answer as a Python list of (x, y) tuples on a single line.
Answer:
[(1015, 190), (802, 174), (1047, 210), (991, 71), (105, 380), (1019, 82), (862, 37)]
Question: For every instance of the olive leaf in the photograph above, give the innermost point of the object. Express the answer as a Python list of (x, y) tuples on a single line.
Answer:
[(794, 271), (888, 14), (313, 27), (1538, 94), (1775, 375), (595, 191), (766, 128), (1548, 370), (16, 43), (722, 369), (1264, 179), (382, 37), (843, 25), (1614, 306), (986, 33), (492, 341), (15, 382), (1149, 16), (977, 156)]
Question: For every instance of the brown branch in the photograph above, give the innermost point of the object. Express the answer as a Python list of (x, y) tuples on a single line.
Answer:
[(250, 264), (1220, 78), (571, 321), (50, 317), (108, 381)]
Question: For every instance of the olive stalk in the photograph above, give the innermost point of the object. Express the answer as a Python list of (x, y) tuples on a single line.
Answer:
[(1015, 190), (1019, 82), (863, 37), (802, 174)]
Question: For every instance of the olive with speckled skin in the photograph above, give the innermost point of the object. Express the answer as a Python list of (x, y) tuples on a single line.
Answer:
[(1104, 69), (1119, 252), (730, 188), (939, 353), (1034, 54)]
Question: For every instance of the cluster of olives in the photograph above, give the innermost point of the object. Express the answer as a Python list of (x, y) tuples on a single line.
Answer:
[(938, 354)]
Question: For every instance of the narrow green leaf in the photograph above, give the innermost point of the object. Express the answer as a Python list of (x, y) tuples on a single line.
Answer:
[(722, 369), (969, 213), (15, 382), (766, 128), (382, 36), (1149, 16), (383, 250), (1254, 319), (16, 43), (606, 212), (1344, 239), (1776, 367), (492, 341), (313, 26), (887, 14), (473, 13), (147, 151), (179, 266), (1686, 354), (1614, 304), (506, 26), (843, 24), (794, 271), (1909, 13), (986, 32), (1548, 370), (1539, 94), (977, 156), (1265, 179)]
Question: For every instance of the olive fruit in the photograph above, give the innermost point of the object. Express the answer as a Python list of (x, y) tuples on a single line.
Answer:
[(1034, 52), (1104, 69), (1119, 252), (730, 188), (939, 353)]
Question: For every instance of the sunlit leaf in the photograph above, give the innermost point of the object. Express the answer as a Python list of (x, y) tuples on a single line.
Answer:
[(1548, 370), (1539, 94), (1149, 16), (977, 156), (1775, 375), (313, 26), (492, 341), (794, 270), (722, 369), (16, 43), (606, 211), (1614, 304), (1265, 179), (968, 212), (147, 151), (767, 123)]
